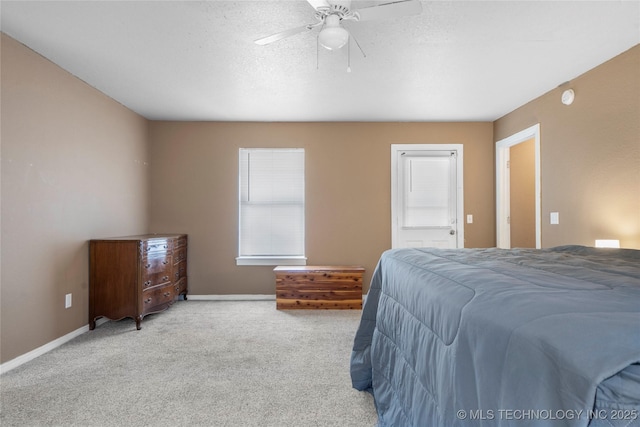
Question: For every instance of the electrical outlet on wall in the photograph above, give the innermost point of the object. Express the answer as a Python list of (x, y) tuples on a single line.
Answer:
[(67, 301)]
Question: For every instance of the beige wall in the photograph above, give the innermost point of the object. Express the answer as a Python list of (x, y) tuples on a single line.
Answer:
[(194, 173), (590, 154), (74, 167), (78, 165)]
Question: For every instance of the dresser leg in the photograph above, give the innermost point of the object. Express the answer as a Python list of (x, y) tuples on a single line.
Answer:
[(92, 324), (138, 321)]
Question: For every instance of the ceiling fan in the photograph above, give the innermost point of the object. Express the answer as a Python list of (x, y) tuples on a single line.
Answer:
[(330, 13)]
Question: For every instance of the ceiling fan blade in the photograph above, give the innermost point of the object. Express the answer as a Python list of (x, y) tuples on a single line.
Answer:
[(319, 4), (389, 10), (284, 34)]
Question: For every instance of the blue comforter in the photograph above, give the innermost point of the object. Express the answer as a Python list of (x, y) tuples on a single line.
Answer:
[(495, 337)]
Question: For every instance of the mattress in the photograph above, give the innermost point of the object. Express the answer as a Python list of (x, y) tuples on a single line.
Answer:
[(494, 337)]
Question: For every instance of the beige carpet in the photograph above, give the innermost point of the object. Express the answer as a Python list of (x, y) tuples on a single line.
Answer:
[(201, 363)]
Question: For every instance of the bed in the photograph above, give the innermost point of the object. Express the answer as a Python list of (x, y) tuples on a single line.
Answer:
[(496, 337)]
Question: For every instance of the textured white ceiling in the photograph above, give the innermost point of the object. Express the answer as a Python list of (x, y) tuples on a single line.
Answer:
[(196, 60)]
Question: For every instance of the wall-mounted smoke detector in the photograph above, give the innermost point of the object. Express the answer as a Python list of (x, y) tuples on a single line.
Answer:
[(568, 96)]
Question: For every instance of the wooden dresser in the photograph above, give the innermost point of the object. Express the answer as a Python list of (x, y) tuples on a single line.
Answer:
[(136, 275)]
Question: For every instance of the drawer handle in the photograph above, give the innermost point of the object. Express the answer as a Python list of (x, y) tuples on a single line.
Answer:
[(147, 283), (147, 266), (147, 301), (166, 294), (165, 278)]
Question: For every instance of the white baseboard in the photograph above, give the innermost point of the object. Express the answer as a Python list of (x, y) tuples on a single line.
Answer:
[(20, 360), (235, 297)]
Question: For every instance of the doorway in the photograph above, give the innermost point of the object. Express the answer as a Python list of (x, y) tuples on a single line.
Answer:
[(427, 195), (518, 190)]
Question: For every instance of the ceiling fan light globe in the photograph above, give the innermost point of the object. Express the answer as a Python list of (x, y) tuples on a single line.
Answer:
[(333, 38)]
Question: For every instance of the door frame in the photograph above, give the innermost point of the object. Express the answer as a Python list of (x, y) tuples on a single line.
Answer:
[(395, 153), (503, 195)]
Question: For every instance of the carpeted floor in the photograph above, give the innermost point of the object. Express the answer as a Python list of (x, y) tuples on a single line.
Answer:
[(200, 363)]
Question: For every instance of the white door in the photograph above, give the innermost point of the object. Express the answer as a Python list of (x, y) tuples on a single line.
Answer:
[(426, 193)]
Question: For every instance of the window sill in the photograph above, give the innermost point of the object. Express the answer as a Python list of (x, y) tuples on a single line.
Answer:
[(271, 260)]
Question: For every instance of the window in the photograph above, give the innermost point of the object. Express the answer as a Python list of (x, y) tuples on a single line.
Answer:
[(428, 181), (271, 207)]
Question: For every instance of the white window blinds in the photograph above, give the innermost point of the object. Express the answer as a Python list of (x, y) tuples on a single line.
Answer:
[(427, 195), (271, 206)]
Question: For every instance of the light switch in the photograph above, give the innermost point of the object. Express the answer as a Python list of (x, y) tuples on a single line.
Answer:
[(554, 218), (469, 219)]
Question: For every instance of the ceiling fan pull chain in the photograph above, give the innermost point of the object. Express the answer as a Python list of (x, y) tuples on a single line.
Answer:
[(349, 55), (357, 44)]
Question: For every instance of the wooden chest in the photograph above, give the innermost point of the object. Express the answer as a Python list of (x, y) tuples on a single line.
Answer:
[(136, 275), (318, 287)]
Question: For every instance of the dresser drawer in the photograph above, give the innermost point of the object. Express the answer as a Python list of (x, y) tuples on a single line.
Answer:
[(179, 271), (154, 298), (180, 242), (155, 263), (156, 245), (155, 279), (180, 254), (181, 286)]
